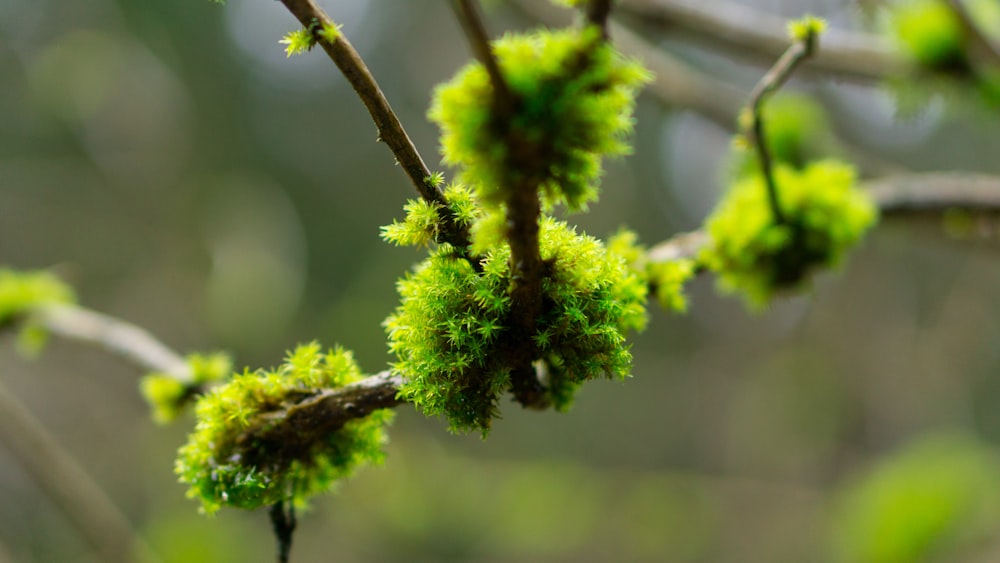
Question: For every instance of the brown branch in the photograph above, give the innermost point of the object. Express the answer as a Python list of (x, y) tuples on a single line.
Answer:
[(62, 479), (283, 524), (895, 196), (119, 337), (390, 130), (598, 12), (774, 79), (467, 12), (744, 30), (523, 209)]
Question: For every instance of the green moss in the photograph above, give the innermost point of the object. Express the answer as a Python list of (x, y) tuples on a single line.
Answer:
[(929, 31), (20, 292), (574, 101), (797, 131), (167, 395), (23, 292), (666, 279), (825, 215), (222, 470), (450, 333), (423, 220)]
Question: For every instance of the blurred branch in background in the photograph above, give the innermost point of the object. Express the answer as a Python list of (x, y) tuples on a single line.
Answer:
[(744, 30), (119, 337), (83, 502), (677, 84)]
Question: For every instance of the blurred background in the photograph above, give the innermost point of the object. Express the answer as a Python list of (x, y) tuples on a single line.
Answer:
[(169, 162)]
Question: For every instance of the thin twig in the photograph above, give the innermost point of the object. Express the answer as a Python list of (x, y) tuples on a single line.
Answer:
[(62, 479), (745, 30), (283, 523), (598, 12), (467, 12), (390, 129), (119, 337), (775, 77)]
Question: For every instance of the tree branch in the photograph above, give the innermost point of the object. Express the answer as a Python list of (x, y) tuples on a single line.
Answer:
[(467, 12), (782, 70), (121, 338), (283, 524), (390, 129), (62, 479), (745, 30), (598, 12)]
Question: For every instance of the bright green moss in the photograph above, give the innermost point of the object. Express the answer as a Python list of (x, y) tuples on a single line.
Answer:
[(665, 279), (930, 32), (574, 100), (422, 223), (167, 395), (797, 131), (806, 28), (224, 470), (450, 333), (825, 215), (22, 292), (297, 42)]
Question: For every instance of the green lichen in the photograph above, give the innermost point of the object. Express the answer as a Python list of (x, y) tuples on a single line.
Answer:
[(574, 96), (451, 335), (225, 466), (824, 214)]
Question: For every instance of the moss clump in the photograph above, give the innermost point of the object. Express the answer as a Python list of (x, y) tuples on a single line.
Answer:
[(23, 292), (824, 216), (451, 332), (20, 292), (226, 466), (574, 96), (930, 32), (167, 395)]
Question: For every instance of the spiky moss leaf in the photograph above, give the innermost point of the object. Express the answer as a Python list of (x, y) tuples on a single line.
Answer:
[(575, 96), (214, 464), (825, 215), (297, 42), (422, 223), (450, 332), (930, 32)]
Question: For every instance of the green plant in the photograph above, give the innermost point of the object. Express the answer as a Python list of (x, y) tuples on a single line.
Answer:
[(510, 299)]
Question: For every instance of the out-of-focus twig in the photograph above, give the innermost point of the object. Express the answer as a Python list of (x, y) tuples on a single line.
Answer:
[(83, 502), (747, 30), (119, 337)]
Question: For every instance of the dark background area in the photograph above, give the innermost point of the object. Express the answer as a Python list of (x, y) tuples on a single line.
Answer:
[(168, 161)]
